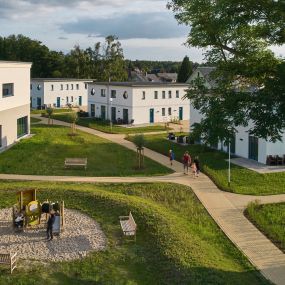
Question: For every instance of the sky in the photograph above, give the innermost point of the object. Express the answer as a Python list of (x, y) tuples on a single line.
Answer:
[(146, 28)]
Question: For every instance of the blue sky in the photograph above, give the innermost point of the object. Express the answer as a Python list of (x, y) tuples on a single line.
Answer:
[(146, 29)]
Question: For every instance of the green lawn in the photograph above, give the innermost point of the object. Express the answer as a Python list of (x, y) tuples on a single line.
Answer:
[(213, 164), (55, 111), (177, 241), (105, 127), (34, 120), (44, 154), (270, 219)]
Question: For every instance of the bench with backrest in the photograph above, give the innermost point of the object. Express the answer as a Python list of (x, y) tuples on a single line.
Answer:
[(128, 225), (9, 259), (75, 162)]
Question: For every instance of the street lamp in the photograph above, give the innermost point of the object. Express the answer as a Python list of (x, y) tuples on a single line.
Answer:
[(111, 123)]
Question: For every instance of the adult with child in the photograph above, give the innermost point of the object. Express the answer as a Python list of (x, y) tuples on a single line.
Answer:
[(186, 162)]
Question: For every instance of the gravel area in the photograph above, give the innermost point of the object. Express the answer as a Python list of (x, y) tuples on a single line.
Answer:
[(80, 236)]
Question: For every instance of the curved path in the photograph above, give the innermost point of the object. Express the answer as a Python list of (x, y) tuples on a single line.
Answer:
[(225, 208)]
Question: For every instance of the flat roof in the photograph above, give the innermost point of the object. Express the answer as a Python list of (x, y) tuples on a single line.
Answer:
[(61, 79), (142, 84), (6, 63)]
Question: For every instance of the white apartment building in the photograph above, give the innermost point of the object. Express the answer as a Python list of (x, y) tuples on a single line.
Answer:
[(14, 102), (138, 102), (59, 92), (244, 144)]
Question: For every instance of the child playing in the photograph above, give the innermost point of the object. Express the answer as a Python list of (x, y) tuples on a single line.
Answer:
[(194, 169)]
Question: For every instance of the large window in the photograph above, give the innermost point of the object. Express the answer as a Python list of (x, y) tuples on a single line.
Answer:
[(169, 94), (22, 126), (113, 93), (8, 90), (177, 93), (163, 94), (103, 92), (163, 111), (155, 94), (169, 111)]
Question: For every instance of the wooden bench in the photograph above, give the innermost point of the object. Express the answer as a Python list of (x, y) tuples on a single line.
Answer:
[(9, 259), (128, 225), (75, 162)]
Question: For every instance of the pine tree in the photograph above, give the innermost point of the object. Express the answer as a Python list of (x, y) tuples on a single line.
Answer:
[(185, 70)]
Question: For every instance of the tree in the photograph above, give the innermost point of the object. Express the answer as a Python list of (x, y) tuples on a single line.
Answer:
[(248, 76), (185, 70), (49, 112), (73, 118), (139, 141)]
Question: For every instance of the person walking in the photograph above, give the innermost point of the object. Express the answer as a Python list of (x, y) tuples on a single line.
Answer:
[(50, 223), (186, 162), (171, 156), (197, 163)]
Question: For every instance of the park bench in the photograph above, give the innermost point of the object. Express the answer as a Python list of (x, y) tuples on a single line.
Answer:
[(9, 259), (75, 162), (128, 225)]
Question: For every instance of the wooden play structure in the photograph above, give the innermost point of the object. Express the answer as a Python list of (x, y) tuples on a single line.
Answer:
[(29, 212), (9, 259)]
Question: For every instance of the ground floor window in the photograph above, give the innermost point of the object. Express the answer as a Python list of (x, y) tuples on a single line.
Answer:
[(163, 111), (22, 126)]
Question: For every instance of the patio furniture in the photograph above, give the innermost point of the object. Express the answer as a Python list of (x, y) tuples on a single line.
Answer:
[(271, 160), (128, 225), (279, 160), (9, 259), (75, 162)]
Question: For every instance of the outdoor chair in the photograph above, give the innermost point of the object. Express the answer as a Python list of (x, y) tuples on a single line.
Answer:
[(279, 160), (271, 160)]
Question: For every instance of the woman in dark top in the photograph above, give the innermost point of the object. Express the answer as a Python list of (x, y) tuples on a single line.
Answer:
[(197, 163)]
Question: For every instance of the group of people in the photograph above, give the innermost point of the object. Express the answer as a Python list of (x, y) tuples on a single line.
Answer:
[(187, 163)]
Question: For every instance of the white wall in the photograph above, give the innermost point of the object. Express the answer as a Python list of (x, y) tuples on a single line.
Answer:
[(139, 109), (49, 96), (17, 106)]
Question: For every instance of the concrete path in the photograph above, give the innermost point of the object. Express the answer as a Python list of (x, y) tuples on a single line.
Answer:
[(225, 208)]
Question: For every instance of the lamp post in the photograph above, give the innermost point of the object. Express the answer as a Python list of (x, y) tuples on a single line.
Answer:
[(111, 123), (229, 174)]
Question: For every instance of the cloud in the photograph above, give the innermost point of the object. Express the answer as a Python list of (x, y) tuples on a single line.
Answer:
[(129, 26), (62, 38)]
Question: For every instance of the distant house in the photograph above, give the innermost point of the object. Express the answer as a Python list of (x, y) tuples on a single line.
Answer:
[(138, 76), (244, 145), (59, 92), (167, 77), (14, 102), (138, 102)]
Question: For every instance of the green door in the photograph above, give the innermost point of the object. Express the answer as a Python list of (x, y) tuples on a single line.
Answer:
[(80, 100), (151, 115), (39, 102), (92, 110), (58, 102), (103, 112), (113, 114), (125, 116), (253, 148), (180, 113)]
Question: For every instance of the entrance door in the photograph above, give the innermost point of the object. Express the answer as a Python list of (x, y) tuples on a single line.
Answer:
[(125, 116), (80, 100), (113, 114), (253, 148), (92, 110), (151, 115), (180, 113), (39, 102), (103, 112), (58, 102)]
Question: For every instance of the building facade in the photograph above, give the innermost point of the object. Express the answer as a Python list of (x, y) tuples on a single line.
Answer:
[(14, 102), (244, 144), (58, 93), (138, 103)]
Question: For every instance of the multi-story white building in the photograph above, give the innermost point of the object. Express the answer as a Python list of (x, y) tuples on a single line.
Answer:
[(138, 102), (14, 102), (58, 93), (244, 145)]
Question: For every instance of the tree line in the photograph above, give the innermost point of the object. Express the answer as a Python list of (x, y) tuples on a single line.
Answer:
[(102, 62)]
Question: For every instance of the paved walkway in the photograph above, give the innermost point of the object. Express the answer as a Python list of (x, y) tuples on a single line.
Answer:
[(225, 208)]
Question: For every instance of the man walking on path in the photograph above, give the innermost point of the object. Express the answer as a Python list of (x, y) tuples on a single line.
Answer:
[(171, 156), (50, 223), (186, 162)]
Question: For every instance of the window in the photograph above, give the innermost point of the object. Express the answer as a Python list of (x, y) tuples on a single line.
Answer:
[(8, 90), (52, 88), (31, 86), (61, 86), (125, 95), (67, 87), (103, 92), (163, 111), (77, 86), (92, 91), (22, 126), (0, 136), (169, 111), (163, 94), (177, 93), (71, 86), (113, 93), (71, 98), (86, 85), (143, 95), (169, 94), (155, 94), (198, 74), (67, 101), (39, 87)]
